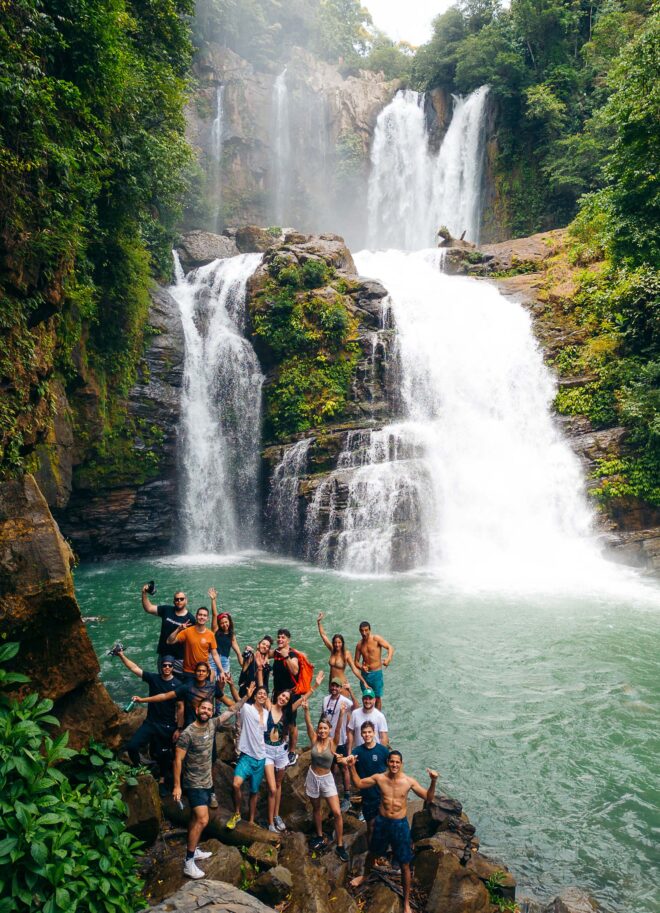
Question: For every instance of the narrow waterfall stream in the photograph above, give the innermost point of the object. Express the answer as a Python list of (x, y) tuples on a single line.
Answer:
[(217, 138), (282, 144), (221, 407)]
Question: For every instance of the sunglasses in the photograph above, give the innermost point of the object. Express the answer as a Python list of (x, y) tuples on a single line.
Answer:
[(179, 598), (167, 665)]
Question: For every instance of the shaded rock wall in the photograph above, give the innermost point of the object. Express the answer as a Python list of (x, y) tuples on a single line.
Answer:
[(130, 507), (331, 118), (38, 608)]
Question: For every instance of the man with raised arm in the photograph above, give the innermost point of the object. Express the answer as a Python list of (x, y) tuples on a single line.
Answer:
[(198, 645), (172, 618), (368, 657), (286, 668), (160, 728), (391, 828), (194, 759)]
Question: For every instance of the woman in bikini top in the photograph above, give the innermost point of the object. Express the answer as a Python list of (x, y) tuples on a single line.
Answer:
[(339, 656)]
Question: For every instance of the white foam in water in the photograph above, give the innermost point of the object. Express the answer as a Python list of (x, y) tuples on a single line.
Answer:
[(505, 499), (221, 407)]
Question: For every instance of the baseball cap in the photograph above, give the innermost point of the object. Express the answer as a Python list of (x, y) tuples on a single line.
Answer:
[(368, 693), (336, 681), (167, 659)]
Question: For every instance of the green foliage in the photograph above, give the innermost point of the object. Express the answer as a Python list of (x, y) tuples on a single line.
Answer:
[(394, 60), (494, 887), (63, 847), (91, 156), (311, 338)]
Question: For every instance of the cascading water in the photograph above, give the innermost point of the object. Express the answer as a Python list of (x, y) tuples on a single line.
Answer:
[(282, 142), (486, 481), (217, 137), (221, 407), (283, 511), (412, 191)]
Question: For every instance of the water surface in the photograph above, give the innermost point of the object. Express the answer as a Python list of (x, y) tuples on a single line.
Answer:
[(540, 711)]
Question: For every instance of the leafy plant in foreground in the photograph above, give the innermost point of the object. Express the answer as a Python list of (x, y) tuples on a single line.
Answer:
[(63, 846)]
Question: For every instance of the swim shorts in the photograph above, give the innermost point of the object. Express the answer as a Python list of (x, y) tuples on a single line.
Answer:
[(197, 797), (249, 768), (395, 833), (374, 681)]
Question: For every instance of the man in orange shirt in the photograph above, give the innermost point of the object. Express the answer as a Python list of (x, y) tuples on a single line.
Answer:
[(198, 644)]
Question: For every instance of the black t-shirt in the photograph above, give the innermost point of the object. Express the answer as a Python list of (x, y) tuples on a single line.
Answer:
[(249, 675), (371, 761), (163, 712), (191, 694), (282, 678), (170, 622)]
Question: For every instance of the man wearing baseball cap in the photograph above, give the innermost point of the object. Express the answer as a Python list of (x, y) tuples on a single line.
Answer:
[(367, 712), (332, 704)]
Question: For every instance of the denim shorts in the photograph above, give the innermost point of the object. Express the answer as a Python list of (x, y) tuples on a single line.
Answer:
[(249, 768), (198, 797), (395, 833)]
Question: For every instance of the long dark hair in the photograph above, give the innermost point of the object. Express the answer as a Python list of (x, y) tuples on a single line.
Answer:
[(343, 643), (230, 632)]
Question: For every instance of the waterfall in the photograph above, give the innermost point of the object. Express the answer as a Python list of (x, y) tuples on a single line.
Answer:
[(283, 510), (282, 142), (412, 191), (221, 407), (476, 479), (217, 136)]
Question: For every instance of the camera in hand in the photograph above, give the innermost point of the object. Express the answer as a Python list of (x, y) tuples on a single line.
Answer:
[(151, 587), (247, 653), (117, 648)]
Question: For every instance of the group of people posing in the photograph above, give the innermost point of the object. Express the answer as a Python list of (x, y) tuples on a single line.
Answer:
[(193, 695)]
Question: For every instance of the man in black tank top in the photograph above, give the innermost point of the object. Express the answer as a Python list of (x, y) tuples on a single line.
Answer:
[(285, 674)]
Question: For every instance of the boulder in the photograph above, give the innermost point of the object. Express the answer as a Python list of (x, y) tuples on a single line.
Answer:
[(164, 872), (226, 745), (197, 248), (486, 868), (456, 889), (38, 608), (295, 807), (144, 811), (226, 864), (250, 239), (263, 855), (310, 885), (340, 901), (218, 896), (273, 886), (383, 900), (572, 900)]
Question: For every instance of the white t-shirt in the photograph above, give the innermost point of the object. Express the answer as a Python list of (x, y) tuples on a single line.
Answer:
[(252, 741), (331, 708), (359, 716)]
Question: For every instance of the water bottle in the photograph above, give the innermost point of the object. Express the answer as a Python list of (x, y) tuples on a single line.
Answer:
[(129, 706)]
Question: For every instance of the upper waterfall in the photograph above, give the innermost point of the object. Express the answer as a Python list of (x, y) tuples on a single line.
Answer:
[(221, 407), (282, 142), (412, 191)]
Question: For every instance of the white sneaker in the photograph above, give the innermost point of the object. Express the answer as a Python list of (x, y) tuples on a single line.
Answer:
[(279, 823), (202, 854), (273, 829), (192, 870)]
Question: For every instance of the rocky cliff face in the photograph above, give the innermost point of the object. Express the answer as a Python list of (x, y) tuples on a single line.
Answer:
[(317, 153), (38, 608), (126, 503)]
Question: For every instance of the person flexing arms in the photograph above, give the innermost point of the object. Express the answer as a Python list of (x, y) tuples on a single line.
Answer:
[(391, 828)]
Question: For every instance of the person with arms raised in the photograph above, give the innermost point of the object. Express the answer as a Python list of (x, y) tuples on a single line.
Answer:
[(172, 619), (222, 626), (340, 658), (199, 645)]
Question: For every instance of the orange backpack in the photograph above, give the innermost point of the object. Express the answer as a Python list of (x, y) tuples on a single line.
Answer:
[(305, 673)]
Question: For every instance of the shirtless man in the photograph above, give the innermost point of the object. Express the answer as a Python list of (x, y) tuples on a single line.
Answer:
[(368, 656), (391, 826)]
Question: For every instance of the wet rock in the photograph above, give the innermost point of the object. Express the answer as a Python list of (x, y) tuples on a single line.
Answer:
[(218, 896), (55, 455), (456, 889), (487, 868), (524, 253), (273, 886), (197, 248), (572, 900), (263, 855), (144, 811), (38, 608)]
